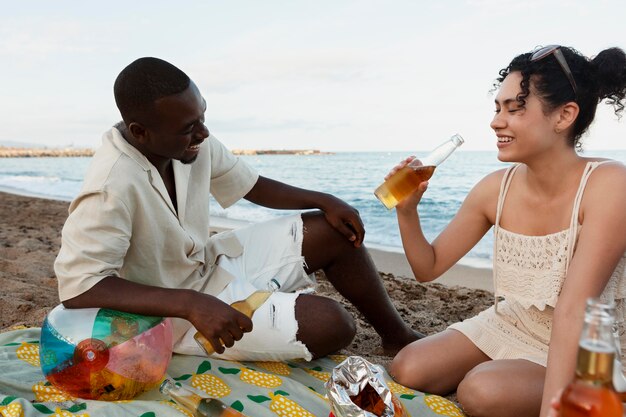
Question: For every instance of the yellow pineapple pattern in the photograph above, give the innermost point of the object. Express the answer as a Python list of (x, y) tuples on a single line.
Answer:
[(338, 358), (284, 407), (399, 389), (45, 393), (322, 376), (64, 413), (212, 385), (442, 406), (29, 352), (279, 368), (260, 379), (12, 410), (178, 407)]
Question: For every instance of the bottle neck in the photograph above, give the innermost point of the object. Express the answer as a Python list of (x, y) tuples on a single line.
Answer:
[(252, 303), (181, 396), (191, 401), (442, 152)]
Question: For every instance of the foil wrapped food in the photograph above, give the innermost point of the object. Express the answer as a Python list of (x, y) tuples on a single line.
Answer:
[(357, 388)]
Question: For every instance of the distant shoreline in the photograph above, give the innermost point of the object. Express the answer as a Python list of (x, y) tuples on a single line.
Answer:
[(14, 152), (11, 152), (279, 152)]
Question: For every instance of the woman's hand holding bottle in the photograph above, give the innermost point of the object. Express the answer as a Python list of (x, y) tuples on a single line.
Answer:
[(412, 173), (409, 204)]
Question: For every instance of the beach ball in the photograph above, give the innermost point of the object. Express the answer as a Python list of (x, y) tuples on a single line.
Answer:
[(101, 354)]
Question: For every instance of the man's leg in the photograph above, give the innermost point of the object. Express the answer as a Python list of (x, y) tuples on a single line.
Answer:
[(353, 273), (287, 325), (324, 325)]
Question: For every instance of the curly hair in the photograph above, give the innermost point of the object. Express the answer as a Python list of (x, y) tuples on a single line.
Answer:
[(603, 77), (144, 81)]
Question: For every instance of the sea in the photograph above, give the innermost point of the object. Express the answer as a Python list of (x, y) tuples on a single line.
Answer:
[(351, 176)]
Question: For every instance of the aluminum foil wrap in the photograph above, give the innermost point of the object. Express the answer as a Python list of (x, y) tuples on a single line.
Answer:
[(348, 386)]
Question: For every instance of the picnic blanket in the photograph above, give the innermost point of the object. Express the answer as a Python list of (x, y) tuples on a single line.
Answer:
[(257, 389)]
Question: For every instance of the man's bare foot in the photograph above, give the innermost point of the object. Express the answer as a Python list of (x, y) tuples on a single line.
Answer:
[(392, 344)]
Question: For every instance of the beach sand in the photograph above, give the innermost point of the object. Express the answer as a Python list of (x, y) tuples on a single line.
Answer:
[(30, 236)]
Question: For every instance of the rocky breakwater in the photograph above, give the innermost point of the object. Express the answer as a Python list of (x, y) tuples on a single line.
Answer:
[(278, 152), (12, 152)]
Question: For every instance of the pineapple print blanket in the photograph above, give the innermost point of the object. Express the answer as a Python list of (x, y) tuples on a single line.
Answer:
[(256, 389)]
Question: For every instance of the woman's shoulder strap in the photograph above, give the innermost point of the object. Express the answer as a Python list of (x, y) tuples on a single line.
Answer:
[(504, 188)]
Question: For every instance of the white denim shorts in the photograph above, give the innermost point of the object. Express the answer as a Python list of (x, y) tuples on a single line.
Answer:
[(271, 260)]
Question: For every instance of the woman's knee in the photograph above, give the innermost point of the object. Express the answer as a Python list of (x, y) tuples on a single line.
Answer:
[(408, 369), (478, 392), (402, 369)]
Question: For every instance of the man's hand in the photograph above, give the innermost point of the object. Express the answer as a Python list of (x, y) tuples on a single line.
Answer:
[(345, 219), (218, 322), (212, 317)]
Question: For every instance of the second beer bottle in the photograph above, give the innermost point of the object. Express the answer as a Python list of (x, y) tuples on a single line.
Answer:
[(406, 180), (591, 393), (195, 404), (247, 307)]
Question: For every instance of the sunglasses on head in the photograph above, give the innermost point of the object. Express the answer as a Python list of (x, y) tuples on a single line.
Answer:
[(556, 51)]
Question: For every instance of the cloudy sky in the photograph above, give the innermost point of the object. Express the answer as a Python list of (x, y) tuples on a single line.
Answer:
[(331, 75)]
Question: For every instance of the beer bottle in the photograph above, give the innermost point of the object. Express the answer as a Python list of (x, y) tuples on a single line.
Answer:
[(197, 405), (406, 180), (247, 307), (591, 393)]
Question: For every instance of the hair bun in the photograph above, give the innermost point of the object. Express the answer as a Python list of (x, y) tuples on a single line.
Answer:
[(610, 69)]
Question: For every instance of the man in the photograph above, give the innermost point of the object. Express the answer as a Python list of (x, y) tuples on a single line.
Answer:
[(137, 239)]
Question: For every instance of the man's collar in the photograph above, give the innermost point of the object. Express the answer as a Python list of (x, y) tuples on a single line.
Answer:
[(115, 136)]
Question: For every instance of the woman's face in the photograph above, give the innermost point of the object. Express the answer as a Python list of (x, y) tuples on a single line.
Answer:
[(522, 131)]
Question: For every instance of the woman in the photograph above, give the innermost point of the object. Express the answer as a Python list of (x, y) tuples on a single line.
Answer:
[(559, 238)]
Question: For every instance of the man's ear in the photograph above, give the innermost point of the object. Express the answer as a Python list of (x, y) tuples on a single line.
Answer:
[(139, 132), (567, 116)]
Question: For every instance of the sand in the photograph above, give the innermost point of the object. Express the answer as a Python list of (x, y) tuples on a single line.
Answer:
[(30, 237)]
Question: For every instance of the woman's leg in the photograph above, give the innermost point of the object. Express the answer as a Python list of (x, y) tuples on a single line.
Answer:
[(502, 388), (438, 363)]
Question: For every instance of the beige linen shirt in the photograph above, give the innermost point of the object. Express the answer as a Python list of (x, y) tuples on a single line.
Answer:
[(124, 224)]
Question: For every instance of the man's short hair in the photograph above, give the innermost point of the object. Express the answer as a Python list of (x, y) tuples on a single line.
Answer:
[(144, 81)]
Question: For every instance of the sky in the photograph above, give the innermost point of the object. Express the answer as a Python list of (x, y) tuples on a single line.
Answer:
[(330, 75)]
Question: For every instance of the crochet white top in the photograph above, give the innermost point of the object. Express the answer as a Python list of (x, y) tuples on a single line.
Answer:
[(528, 273)]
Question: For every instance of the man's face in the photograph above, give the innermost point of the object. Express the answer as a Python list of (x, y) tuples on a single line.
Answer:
[(176, 129)]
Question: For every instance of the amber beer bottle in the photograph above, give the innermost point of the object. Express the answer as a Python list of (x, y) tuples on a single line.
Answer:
[(406, 180), (198, 406), (247, 307), (591, 393)]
